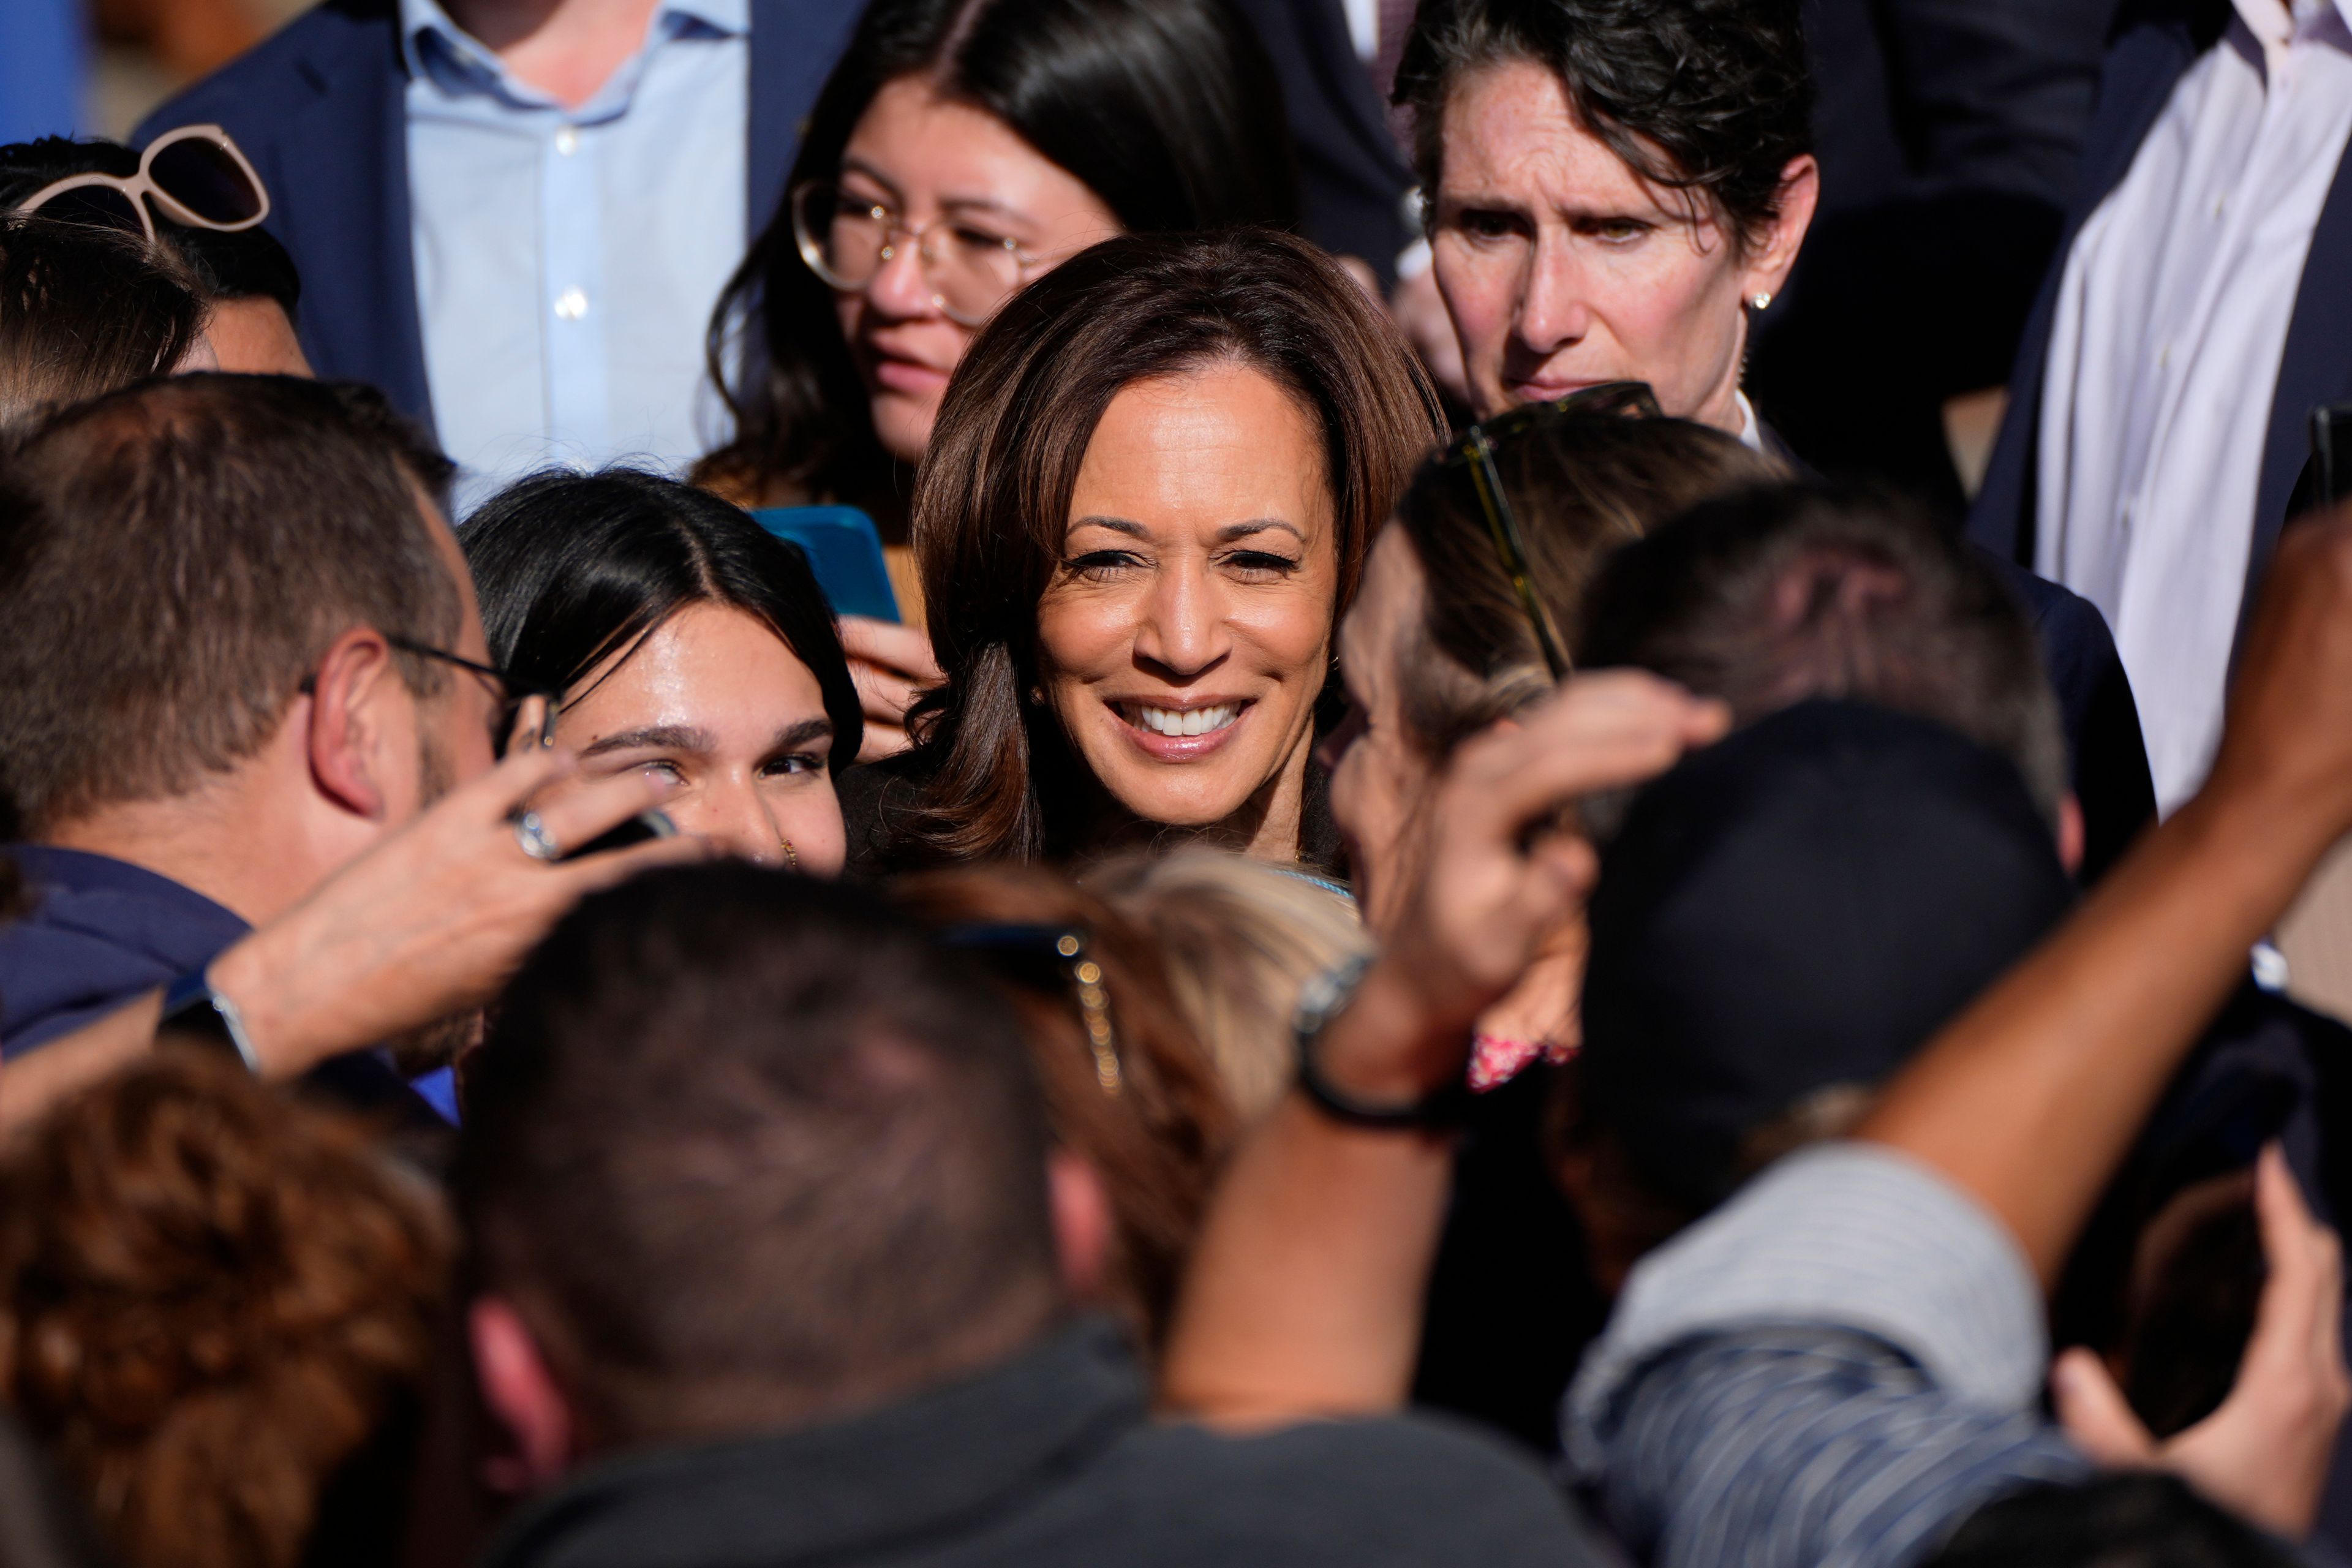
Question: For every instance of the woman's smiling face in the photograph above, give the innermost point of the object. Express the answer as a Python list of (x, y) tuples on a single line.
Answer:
[(1187, 630)]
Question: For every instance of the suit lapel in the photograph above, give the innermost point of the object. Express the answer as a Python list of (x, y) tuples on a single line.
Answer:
[(349, 146), (794, 44)]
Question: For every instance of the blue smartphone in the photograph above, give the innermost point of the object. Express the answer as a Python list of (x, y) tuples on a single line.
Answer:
[(845, 550)]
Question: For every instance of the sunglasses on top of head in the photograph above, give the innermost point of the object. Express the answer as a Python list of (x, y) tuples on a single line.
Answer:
[(196, 176)]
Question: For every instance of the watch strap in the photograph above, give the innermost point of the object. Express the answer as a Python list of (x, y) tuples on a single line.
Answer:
[(1324, 998), (191, 1007)]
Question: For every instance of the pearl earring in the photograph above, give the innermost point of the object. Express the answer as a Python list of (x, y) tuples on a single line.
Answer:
[(1757, 301)]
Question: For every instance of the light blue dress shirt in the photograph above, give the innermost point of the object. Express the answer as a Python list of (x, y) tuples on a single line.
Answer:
[(567, 261)]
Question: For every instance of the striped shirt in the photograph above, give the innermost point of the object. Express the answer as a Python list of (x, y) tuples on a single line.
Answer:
[(1836, 1369)]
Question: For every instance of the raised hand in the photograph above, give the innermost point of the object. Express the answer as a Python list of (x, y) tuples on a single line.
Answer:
[(431, 921), (2264, 1452), (891, 666)]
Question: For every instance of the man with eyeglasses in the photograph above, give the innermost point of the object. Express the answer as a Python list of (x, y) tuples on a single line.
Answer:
[(251, 740)]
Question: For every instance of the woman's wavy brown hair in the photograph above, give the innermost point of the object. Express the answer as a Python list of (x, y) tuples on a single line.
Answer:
[(1159, 1141), (217, 1308), (993, 500)]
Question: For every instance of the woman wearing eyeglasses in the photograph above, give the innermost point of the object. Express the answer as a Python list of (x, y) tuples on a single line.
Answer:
[(959, 150), (1147, 502)]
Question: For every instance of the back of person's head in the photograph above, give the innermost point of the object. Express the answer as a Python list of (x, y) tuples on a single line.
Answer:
[(572, 568), (217, 1308), (745, 1150), (1579, 486), (248, 264), (1772, 595), (1240, 939), (1712, 98), (1782, 919), (84, 310), (175, 559), (992, 505), (1128, 1086), (2137, 1519), (1167, 110)]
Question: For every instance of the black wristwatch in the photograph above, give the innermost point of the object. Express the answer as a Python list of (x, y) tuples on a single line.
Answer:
[(1325, 996), (193, 1009)]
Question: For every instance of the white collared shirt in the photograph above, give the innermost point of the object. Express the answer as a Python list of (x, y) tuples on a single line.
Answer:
[(2172, 317), (568, 260)]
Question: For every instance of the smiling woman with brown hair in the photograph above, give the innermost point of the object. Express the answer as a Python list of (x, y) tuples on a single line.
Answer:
[(1145, 506)]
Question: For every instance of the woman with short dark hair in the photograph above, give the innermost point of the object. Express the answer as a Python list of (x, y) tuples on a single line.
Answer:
[(1147, 502), (686, 640), (1612, 185)]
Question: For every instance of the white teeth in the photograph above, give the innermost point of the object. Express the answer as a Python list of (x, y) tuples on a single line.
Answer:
[(1198, 722)]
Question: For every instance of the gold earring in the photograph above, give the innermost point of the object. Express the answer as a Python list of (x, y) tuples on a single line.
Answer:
[(791, 856), (1759, 300)]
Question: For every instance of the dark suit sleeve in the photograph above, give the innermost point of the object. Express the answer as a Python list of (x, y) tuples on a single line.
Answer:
[(1353, 177), (2109, 756)]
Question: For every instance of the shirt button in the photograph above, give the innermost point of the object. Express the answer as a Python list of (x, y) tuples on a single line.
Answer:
[(571, 304), (567, 140)]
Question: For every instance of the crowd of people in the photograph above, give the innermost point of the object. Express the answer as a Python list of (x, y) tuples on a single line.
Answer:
[(1423, 941)]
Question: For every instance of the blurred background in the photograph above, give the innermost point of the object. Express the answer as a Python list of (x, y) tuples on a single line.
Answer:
[(93, 67)]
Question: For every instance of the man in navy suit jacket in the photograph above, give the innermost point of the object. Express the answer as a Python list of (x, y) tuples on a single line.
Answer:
[(2167, 70), (570, 236)]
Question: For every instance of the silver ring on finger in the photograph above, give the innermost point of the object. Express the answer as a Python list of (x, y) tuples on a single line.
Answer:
[(537, 842)]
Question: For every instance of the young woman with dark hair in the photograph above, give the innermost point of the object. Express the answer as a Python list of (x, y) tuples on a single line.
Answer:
[(686, 640), (1147, 502), (961, 148)]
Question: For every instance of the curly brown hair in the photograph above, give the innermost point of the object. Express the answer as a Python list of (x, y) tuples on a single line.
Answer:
[(216, 1305)]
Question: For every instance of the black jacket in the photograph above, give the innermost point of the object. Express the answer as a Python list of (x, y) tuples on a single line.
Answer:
[(1052, 1459)]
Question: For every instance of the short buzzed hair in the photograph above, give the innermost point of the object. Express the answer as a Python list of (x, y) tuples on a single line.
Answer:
[(748, 1151), (1772, 596), (175, 558)]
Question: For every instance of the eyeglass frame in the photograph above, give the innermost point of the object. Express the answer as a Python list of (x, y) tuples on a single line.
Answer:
[(1474, 449), (141, 188), (806, 243), (516, 689), (1067, 943)]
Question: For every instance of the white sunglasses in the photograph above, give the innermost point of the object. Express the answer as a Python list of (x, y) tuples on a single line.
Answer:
[(195, 175)]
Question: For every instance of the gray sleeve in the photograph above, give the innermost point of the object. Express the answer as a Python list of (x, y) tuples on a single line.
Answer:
[(1846, 1236)]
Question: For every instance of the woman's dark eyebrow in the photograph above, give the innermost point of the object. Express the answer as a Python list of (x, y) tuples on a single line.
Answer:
[(667, 737), (871, 172), (1116, 525), (807, 731), (1234, 530)]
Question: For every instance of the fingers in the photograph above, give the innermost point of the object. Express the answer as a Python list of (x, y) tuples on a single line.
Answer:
[(576, 816), (880, 741), (891, 646), (1601, 732), (881, 695), (534, 725), (594, 872), (521, 773), (2096, 1414), (2298, 1325)]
